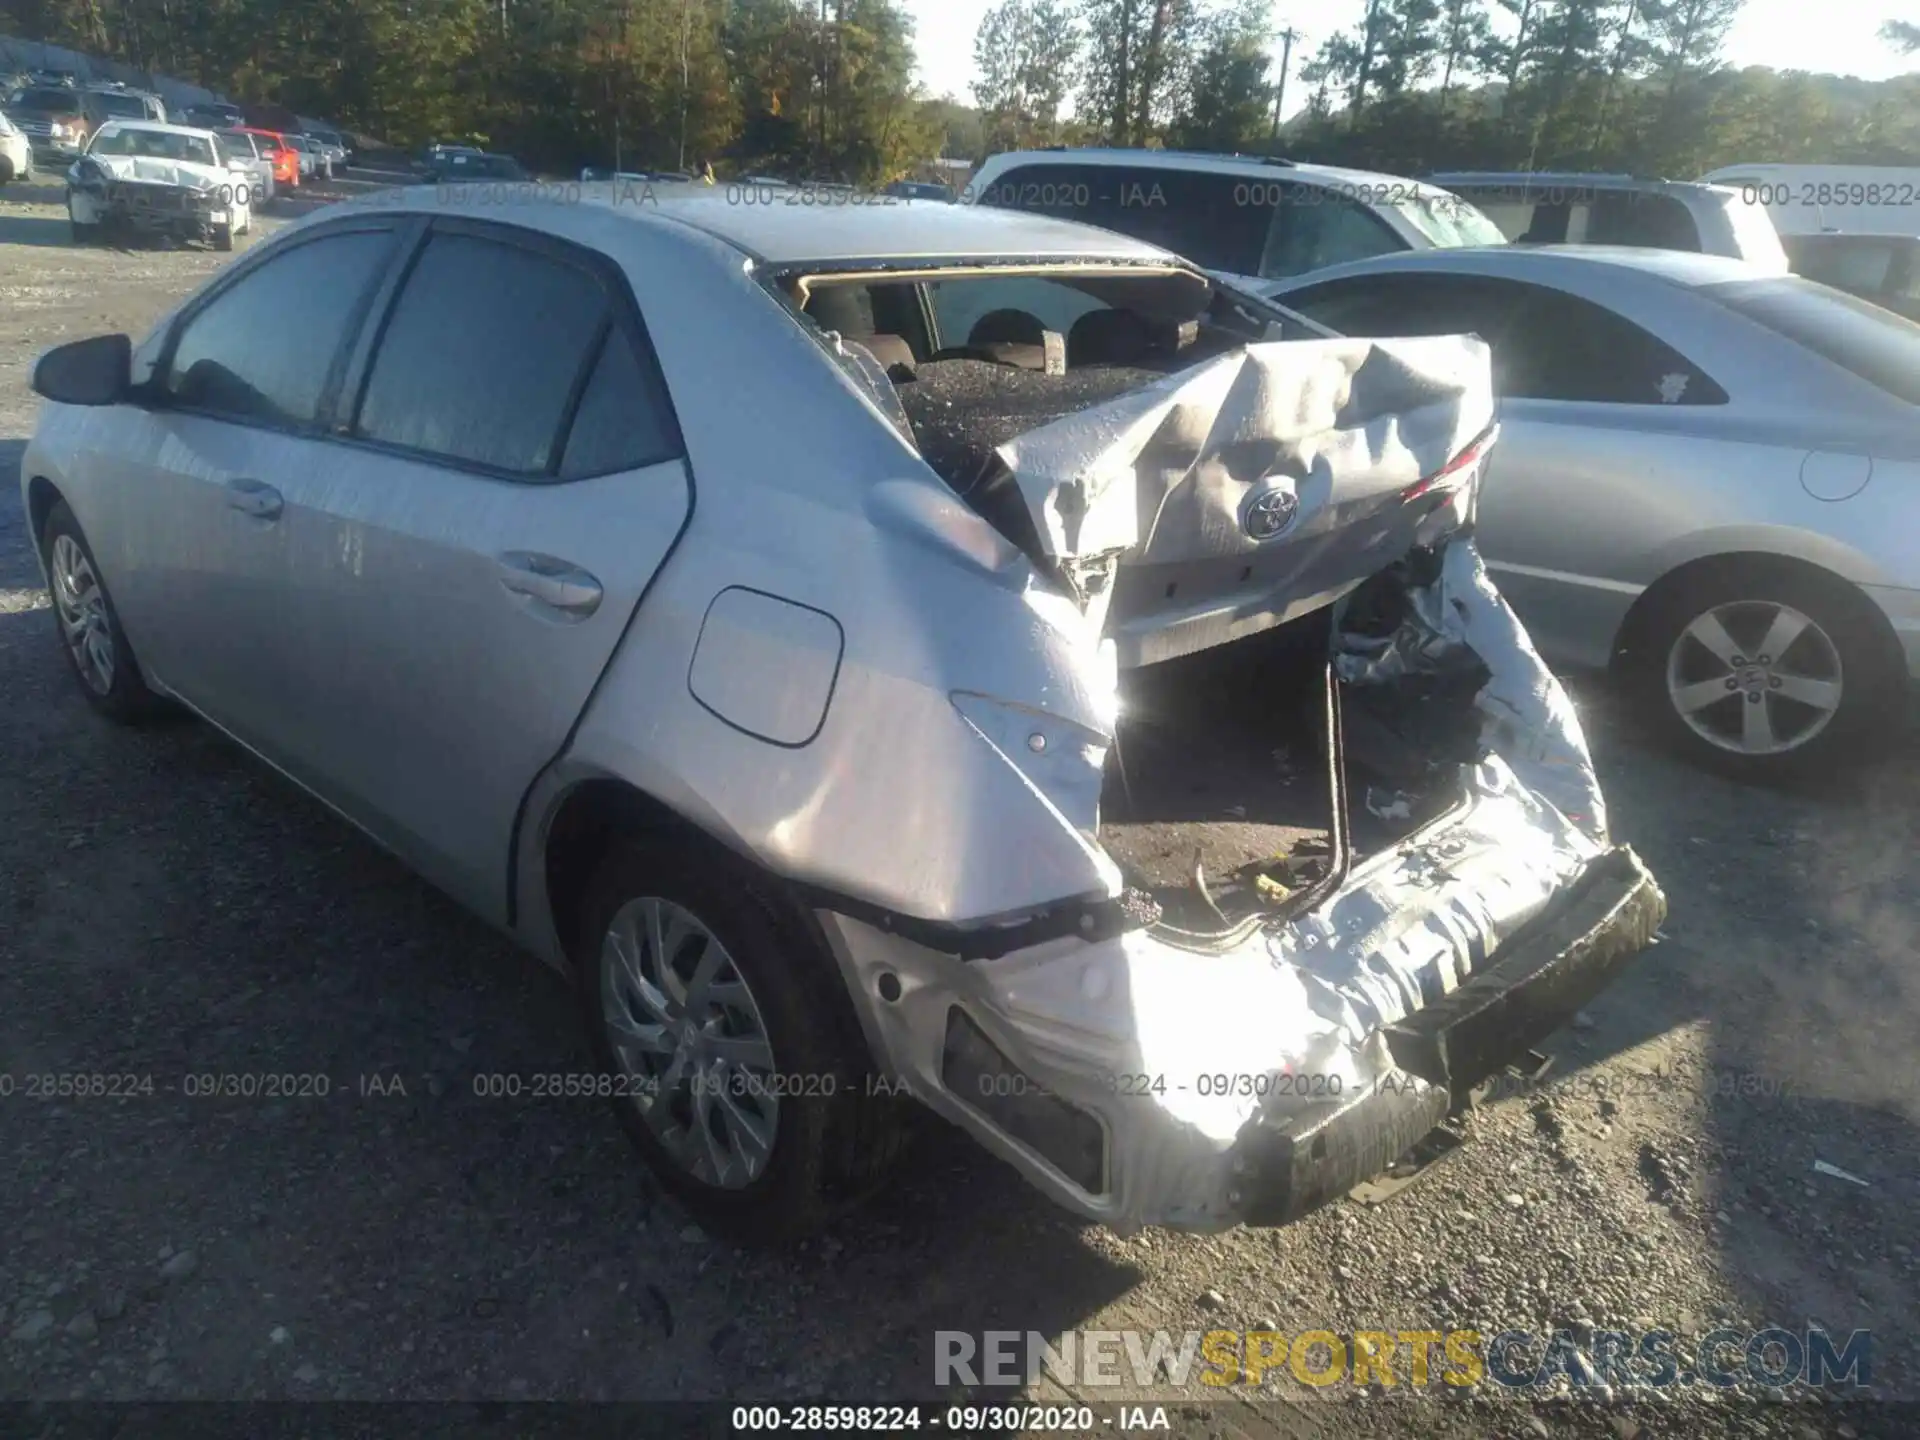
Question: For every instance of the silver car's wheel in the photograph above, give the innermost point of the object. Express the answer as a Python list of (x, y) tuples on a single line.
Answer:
[(89, 625), (1755, 677), (85, 623), (689, 1036), (697, 976)]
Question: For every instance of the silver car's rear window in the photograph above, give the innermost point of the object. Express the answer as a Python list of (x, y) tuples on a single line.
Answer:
[(1877, 345)]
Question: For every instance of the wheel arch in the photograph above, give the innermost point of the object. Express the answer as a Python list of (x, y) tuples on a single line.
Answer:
[(581, 823), (42, 496), (1632, 638)]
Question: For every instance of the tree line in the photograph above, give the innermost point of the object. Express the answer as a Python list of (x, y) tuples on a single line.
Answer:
[(1619, 85), (824, 89), (820, 89)]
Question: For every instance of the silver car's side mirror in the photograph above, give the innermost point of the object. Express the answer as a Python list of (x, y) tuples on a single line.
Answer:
[(96, 371)]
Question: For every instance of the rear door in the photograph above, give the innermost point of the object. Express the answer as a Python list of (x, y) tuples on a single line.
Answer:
[(507, 475)]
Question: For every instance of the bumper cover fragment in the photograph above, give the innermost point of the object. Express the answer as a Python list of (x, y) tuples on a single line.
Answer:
[(1293, 1162)]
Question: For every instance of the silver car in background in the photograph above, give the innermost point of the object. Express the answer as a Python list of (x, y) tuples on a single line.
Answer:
[(1554, 208), (1707, 474), (743, 609)]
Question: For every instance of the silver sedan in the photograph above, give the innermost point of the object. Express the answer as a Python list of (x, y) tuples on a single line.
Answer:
[(743, 623), (1707, 475)]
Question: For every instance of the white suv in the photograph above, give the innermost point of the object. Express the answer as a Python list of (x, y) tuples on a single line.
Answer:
[(1537, 208), (1244, 217)]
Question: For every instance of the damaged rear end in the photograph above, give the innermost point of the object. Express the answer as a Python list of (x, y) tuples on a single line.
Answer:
[(1359, 859)]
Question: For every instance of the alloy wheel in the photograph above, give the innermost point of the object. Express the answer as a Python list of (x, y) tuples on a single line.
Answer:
[(82, 608), (1755, 677), (689, 1037)]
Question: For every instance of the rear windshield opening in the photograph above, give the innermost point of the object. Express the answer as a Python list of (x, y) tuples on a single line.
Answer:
[(1875, 345)]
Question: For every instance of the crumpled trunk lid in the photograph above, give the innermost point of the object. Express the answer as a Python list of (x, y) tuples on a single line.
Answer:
[(1249, 489)]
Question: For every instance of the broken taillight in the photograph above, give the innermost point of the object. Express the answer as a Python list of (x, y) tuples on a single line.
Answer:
[(1457, 470)]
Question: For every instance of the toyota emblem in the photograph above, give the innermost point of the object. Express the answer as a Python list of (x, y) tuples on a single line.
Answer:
[(1270, 513)]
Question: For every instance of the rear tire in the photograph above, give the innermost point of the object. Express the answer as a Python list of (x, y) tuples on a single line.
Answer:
[(89, 627), (783, 1099), (1766, 672)]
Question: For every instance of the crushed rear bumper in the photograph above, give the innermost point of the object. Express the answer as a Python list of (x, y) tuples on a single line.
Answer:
[(1293, 1160)]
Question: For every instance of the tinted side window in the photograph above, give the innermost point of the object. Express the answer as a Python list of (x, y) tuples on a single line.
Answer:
[(1861, 265), (1388, 305), (261, 350), (1312, 230), (481, 353), (1628, 218), (1547, 345), (623, 421), (1548, 224), (1211, 219), (1557, 346)]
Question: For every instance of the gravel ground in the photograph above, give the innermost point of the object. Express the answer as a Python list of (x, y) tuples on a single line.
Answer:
[(168, 908)]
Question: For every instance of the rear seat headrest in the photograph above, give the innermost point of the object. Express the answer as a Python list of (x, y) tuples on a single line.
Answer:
[(892, 351), (1007, 327)]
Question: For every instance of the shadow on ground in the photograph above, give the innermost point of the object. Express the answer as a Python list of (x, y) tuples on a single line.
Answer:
[(51, 230)]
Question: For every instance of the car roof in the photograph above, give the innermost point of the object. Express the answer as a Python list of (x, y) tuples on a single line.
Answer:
[(157, 127), (1572, 180), (1266, 167), (1544, 262), (834, 235)]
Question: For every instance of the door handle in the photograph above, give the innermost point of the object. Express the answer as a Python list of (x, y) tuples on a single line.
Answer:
[(253, 497), (552, 582)]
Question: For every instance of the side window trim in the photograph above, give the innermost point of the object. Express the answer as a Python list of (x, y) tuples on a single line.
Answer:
[(589, 362), (622, 317), (161, 397)]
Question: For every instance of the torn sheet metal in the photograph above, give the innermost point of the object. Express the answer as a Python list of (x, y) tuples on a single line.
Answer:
[(1528, 720), (1251, 488)]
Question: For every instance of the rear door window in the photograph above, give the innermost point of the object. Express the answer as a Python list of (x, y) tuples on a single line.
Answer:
[(483, 354), (1557, 346), (623, 421), (1869, 342), (1547, 344)]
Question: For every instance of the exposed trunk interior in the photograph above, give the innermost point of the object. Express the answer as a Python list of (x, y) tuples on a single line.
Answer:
[(1218, 796)]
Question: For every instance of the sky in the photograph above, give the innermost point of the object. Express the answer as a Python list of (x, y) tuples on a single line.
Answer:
[(1835, 36)]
